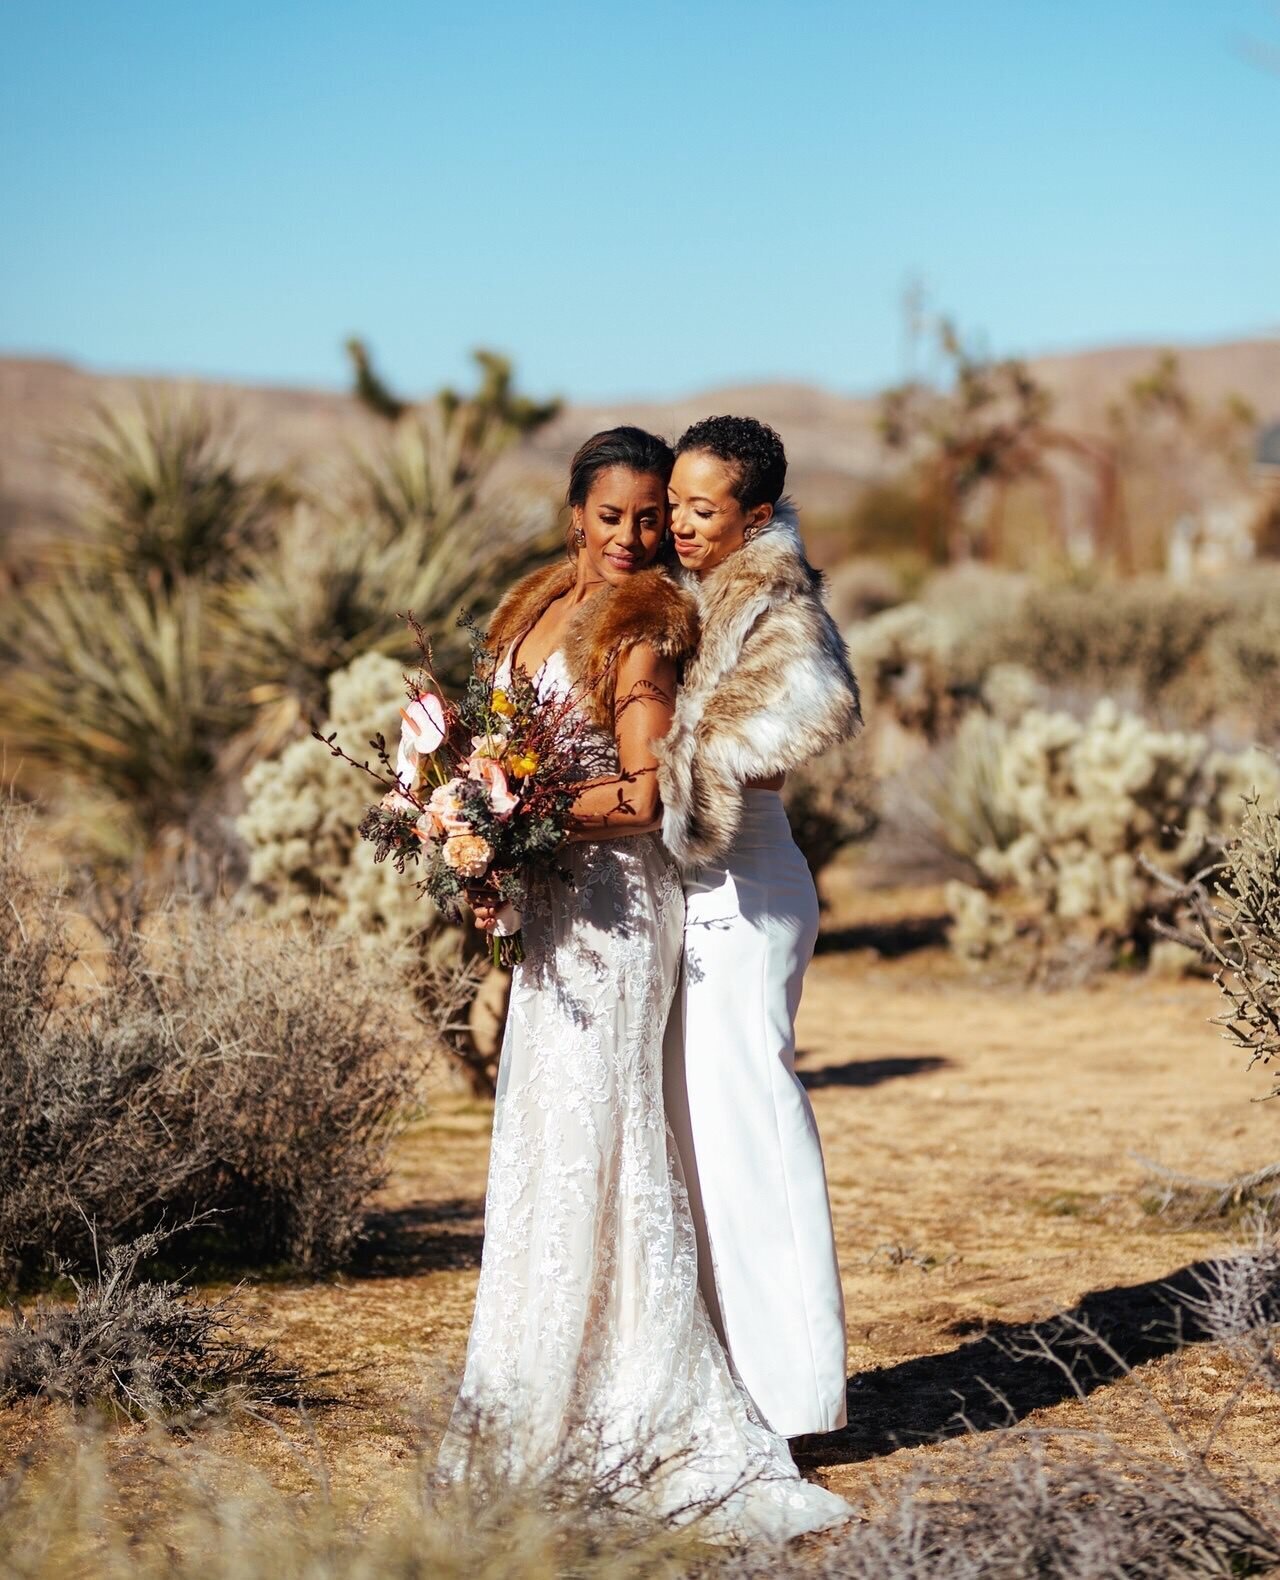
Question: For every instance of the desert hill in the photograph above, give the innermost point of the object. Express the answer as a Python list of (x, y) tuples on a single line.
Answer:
[(831, 437)]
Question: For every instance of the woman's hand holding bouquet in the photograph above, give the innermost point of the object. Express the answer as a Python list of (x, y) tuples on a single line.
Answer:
[(482, 789)]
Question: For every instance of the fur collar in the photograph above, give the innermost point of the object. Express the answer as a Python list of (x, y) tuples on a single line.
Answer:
[(769, 688), (648, 607), (772, 561)]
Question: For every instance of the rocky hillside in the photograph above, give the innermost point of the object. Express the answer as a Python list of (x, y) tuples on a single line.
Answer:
[(831, 438)]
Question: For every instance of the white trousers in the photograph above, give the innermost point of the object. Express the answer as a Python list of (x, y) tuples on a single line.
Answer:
[(745, 1130)]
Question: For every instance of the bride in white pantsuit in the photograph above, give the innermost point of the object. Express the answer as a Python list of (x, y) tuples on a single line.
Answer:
[(769, 687)]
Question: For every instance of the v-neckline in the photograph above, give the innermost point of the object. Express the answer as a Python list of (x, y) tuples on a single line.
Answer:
[(513, 656)]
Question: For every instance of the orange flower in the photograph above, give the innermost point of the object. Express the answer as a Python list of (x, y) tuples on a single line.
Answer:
[(468, 854)]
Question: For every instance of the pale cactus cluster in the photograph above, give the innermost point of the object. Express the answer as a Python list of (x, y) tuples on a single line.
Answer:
[(306, 857), (903, 660), (1083, 802)]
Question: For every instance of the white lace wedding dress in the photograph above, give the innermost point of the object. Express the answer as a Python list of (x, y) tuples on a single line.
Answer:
[(589, 1332)]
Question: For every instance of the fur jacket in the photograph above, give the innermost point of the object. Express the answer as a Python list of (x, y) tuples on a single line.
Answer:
[(769, 687), (648, 607)]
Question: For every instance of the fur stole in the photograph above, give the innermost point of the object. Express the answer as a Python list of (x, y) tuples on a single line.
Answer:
[(648, 607), (769, 688)]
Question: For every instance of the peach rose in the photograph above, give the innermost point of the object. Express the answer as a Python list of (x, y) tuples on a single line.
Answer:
[(492, 745), (468, 855)]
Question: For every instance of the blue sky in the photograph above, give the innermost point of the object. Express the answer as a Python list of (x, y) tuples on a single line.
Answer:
[(630, 199)]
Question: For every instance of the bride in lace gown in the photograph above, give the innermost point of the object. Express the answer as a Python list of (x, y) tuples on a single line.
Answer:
[(588, 1321)]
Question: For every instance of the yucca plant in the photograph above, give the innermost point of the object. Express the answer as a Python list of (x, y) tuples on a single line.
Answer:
[(164, 497), (308, 603), (429, 471), (416, 529), (109, 687)]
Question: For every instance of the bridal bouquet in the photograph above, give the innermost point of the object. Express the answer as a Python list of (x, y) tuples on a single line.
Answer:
[(481, 789)]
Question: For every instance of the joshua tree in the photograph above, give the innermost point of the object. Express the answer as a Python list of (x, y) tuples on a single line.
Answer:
[(987, 429), (495, 402), (369, 387), (1173, 452)]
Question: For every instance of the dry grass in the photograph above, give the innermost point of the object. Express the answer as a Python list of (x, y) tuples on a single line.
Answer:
[(144, 1348), (210, 1069), (992, 1136)]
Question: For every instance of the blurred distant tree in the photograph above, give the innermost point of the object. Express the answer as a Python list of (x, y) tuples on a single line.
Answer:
[(1174, 453), (496, 400), (985, 429), (369, 387)]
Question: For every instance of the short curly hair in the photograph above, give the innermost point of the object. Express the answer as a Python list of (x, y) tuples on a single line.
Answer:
[(752, 448)]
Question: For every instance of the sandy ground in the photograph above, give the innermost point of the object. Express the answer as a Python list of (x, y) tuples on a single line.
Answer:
[(983, 1149)]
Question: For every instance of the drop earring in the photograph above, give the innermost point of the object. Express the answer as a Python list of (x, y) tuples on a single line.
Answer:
[(579, 538)]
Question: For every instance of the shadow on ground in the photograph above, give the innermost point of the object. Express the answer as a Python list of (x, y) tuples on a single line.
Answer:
[(1011, 1369), (890, 939), (421, 1237), (871, 1072)]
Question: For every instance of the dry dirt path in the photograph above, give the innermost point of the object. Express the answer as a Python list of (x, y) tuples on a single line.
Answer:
[(981, 1150), (980, 1146)]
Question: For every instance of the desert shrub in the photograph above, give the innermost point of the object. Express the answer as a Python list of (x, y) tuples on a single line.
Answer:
[(1243, 936), (146, 1348), (897, 518), (1088, 805), (165, 497), (1134, 638), (208, 1067), (1243, 661), (831, 803), (857, 589), (111, 689), (210, 1516), (1053, 1511), (903, 659), (1185, 653), (946, 809)]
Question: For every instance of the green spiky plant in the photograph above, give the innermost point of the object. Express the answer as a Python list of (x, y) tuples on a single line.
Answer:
[(165, 499), (108, 688), (420, 529)]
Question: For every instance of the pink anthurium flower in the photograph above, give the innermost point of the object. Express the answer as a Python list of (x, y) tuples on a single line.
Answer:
[(422, 730), (491, 775)]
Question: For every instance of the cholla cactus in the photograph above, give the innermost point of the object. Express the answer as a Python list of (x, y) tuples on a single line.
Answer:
[(902, 661), (306, 857), (1085, 803)]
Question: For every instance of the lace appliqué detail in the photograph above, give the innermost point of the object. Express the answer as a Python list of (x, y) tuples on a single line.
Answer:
[(588, 1308)]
